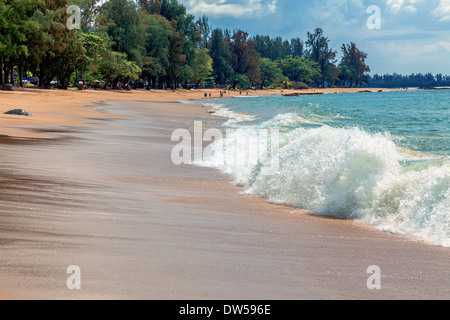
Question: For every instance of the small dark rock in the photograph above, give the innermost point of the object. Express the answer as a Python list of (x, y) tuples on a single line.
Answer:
[(19, 112)]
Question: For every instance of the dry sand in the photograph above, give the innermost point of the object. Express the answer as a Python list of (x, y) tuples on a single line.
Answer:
[(142, 228)]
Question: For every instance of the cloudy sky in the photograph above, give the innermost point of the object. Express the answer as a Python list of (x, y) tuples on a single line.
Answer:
[(414, 35)]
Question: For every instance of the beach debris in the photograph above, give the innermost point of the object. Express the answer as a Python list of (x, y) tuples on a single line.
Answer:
[(19, 112)]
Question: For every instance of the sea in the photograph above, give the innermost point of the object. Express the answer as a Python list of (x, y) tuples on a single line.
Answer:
[(381, 158)]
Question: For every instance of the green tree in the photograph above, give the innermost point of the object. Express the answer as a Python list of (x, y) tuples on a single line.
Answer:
[(73, 57), (123, 24), (151, 6), (115, 67), (16, 26), (272, 48), (177, 58), (48, 41), (354, 60), (244, 57), (297, 48), (319, 51), (301, 70), (204, 30), (202, 68), (221, 55), (94, 48), (241, 81), (271, 73), (156, 62), (347, 76)]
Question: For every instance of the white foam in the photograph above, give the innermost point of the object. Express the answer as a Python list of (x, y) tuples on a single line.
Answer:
[(288, 120), (234, 118), (349, 173)]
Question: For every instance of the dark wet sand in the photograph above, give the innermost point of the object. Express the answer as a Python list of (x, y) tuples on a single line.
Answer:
[(106, 197)]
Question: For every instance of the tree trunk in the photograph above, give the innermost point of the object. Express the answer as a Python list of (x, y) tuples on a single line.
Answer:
[(41, 78), (1, 71), (20, 73), (6, 75)]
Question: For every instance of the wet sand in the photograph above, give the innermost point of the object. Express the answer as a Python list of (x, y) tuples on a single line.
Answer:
[(106, 197)]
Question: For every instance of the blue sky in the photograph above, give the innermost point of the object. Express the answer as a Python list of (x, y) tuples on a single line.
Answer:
[(414, 35)]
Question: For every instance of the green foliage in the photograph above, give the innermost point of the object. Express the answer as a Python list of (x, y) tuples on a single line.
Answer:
[(17, 26), (353, 65), (272, 48), (122, 22), (244, 57), (202, 68), (94, 46), (221, 55), (157, 47), (241, 82), (158, 43), (319, 52), (301, 70), (50, 42), (413, 80), (271, 74), (115, 66)]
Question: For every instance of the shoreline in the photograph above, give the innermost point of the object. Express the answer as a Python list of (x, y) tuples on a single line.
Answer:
[(246, 245), (54, 110)]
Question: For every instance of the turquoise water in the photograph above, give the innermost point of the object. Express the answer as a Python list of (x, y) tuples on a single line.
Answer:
[(381, 158), (418, 120)]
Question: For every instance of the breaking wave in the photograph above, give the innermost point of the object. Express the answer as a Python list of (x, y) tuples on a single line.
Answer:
[(347, 173)]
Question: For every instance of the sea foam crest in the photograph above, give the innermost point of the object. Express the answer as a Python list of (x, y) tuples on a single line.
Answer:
[(349, 173)]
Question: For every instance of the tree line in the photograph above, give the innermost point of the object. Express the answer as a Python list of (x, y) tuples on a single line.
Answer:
[(413, 80), (157, 44)]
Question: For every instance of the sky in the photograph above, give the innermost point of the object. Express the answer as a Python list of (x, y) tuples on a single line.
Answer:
[(413, 35)]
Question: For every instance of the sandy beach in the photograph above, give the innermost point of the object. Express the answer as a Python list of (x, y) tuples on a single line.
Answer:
[(53, 109), (88, 181)]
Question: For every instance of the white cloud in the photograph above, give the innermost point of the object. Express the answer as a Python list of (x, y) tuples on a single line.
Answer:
[(408, 6), (410, 9), (336, 12), (442, 46), (227, 8), (443, 10), (414, 50), (394, 5)]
